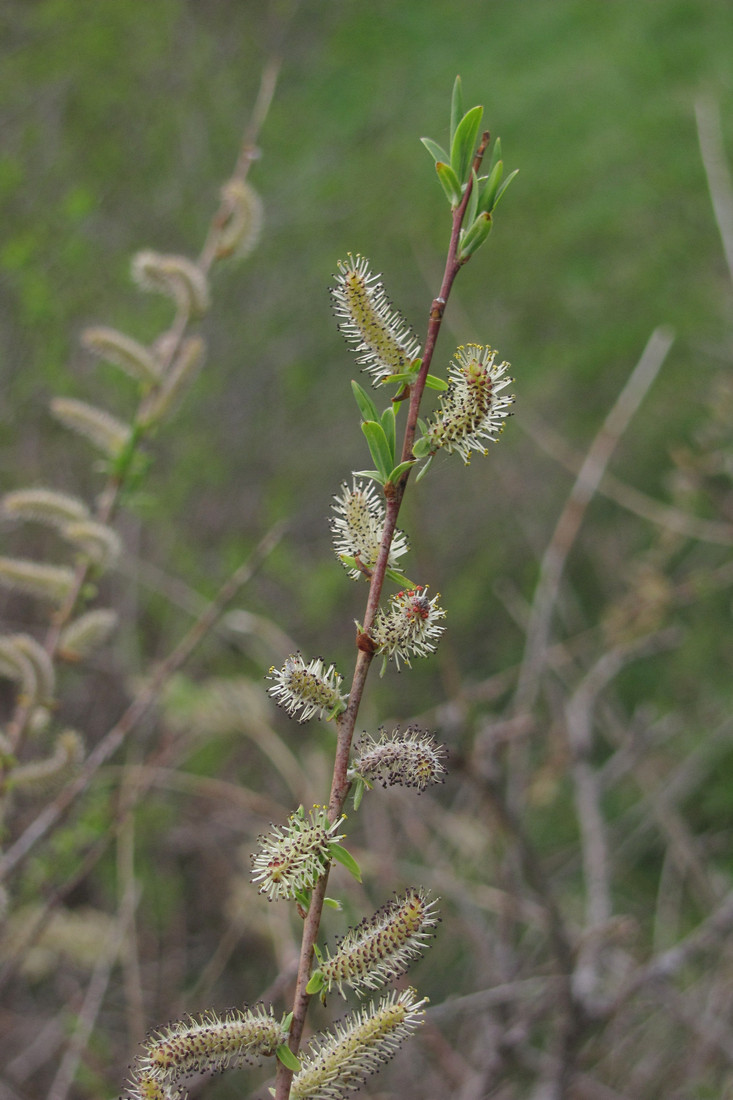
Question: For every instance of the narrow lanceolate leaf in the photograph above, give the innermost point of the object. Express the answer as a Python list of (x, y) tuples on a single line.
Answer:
[(129, 355), (463, 144), (345, 858), (379, 447), (449, 182), (381, 947), (389, 426), (383, 341), (436, 151), (48, 582), (107, 433), (44, 506), (84, 635), (206, 1044), (339, 1062), (504, 186), (474, 236), (288, 1059), (488, 193), (456, 107), (367, 408)]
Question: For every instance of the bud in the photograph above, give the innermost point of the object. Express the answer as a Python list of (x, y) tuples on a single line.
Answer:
[(384, 342), (311, 688)]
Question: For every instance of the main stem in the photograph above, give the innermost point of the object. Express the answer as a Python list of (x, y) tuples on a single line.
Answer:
[(346, 722)]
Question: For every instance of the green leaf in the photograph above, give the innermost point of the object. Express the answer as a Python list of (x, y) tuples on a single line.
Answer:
[(340, 855), (359, 788), (288, 1059), (400, 469), (367, 408), (403, 582), (475, 236), (303, 897), (421, 448), (488, 194), (379, 447), (424, 469), (449, 182), (390, 429), (315, 983), (332, 903), (472, 208), (495, 155), (373, 474), (436, 151), (405, 377), (504, 186), (434, 383), (456, 106), (463, 145)]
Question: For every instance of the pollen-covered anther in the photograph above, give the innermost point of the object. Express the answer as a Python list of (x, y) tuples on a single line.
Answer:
[(473, 409), (380, 948), (410, 627), (409, 758), (306, 689), (292, 857), (383, 341), (339, 1062), (357, 526)]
